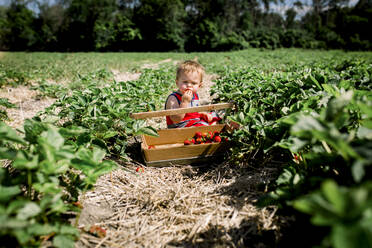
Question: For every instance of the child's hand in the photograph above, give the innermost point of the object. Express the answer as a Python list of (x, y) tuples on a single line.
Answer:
[(206, 116), (187, 96)]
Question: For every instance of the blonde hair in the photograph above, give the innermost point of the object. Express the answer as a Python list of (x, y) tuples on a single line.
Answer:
[(190, 66)]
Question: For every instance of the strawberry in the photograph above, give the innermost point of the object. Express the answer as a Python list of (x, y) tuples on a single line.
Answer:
[(151, 147), (198, 134), (217, 139), (97, 231), (140, 169), (187, 142), (210, 135), (193, 140)]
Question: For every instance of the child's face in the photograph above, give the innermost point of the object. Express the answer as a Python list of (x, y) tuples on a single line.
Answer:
[(189, 81)]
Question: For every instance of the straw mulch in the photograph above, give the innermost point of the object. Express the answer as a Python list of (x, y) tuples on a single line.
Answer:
[(205, 206)]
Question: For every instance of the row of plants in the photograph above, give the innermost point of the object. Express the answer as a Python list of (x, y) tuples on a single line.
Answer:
[(63, 150), (317, 120), (44, 173)]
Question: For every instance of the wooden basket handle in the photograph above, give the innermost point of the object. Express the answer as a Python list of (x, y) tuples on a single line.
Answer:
[(144, 115)]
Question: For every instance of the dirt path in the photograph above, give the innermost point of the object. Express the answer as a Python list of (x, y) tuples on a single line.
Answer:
[(27, 102), (207, 206)]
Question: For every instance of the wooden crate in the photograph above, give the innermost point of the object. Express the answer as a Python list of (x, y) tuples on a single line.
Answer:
[(169, 147)]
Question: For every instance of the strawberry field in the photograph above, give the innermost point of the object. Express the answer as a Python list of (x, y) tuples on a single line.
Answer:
[(300, 163)]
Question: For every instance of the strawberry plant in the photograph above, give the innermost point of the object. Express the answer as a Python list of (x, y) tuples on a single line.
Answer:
[(104, 112), (321, 114), (39, 187)]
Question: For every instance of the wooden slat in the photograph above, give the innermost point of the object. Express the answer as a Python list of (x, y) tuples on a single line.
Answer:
[(144, 115), (178, 135)]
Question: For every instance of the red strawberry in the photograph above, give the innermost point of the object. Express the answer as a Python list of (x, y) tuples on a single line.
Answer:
[(151, 147), (198, 134), (187, 142), (210, 135), (140, 169), (97, 231), (217, 139), (193, 140)]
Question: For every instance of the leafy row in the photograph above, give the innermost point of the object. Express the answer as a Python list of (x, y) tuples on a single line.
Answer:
[(43, 181), (62, 154), (319, 117)]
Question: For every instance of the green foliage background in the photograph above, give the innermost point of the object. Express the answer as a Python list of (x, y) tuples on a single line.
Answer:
[(182, 25)]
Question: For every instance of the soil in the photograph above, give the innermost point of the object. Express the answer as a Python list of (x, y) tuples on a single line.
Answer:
[(125, 76), (28, 104)]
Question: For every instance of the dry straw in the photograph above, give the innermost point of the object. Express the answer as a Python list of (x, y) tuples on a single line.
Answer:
[(177, 207)]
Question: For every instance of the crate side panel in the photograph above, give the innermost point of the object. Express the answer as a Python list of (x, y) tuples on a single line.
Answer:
[(178, 135), (183, 152)]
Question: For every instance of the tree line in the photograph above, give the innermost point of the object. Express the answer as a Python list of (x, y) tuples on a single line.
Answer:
[(182, 25)]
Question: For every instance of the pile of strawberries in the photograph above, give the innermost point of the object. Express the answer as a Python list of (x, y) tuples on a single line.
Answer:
[(204, 138)]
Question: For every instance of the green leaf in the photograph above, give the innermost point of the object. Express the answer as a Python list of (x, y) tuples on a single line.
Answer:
[(110, 134), (31, 209), (358, 171), (7, 153), (69, 230), (315, 82), (349, 236), (54, 138), (148, 131), (331, 89), (98, 155), (40, 229), (303, 205), (307, 123), (22, 235), (21, 162), (63, 241), (9, 134), (6, 193), (334, 195)]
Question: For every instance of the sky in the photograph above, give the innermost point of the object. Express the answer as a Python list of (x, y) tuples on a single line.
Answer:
[(279, 8), (287, 4)]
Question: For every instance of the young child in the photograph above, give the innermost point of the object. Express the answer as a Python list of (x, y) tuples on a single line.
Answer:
[(189, 79)]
